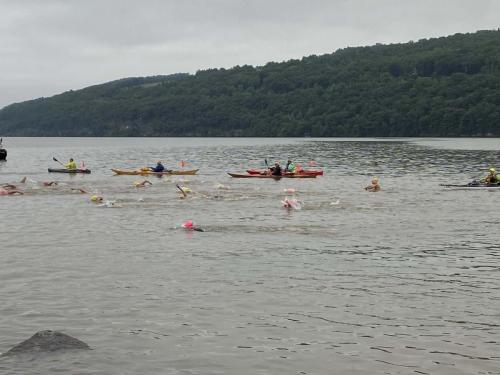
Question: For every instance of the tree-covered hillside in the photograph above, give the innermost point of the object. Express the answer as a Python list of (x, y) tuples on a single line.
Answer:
[(446, 86)]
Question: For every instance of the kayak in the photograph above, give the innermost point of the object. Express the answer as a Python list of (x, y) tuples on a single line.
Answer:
[(65, 170), (291, 175), (304, 171), (472, 186), (144, 172)]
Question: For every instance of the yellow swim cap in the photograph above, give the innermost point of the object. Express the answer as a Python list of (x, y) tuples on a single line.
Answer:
[(95, 198), (186, 189), (492, 170)]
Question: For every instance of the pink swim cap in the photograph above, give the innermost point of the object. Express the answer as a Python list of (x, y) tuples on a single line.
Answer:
[(188, 224)]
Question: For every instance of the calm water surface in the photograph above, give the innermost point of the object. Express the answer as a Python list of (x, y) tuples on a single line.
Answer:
[(404, 281)]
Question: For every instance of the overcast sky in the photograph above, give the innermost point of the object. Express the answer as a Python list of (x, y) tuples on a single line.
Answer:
[(51, 46)]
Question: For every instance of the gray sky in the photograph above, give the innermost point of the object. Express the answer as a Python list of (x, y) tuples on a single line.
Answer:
[(51, 46)]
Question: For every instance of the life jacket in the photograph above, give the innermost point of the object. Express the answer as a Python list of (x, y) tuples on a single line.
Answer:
[(276, 171), (71, 165), (159, 168)]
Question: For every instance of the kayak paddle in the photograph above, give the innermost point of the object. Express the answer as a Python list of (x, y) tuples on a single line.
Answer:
[(53, 158)]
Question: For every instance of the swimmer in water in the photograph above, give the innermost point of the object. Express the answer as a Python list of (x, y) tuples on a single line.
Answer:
[(184, 195), (138, 184), (189, 225), (50, 183), (80, 190), (374, 186), (291, 203), (10, 191)]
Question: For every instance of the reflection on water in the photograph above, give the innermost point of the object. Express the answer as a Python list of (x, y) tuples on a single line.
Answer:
[(404, 281)]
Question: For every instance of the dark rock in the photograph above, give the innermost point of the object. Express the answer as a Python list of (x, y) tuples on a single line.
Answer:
[(47, 341)]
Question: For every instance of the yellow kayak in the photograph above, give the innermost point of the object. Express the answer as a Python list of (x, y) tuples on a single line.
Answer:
[(146, 172)]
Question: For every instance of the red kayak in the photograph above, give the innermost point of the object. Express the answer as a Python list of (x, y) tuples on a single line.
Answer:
[(303, 171), (288, 175)]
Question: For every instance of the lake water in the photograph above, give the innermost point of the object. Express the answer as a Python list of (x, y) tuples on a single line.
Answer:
[(403, 281)]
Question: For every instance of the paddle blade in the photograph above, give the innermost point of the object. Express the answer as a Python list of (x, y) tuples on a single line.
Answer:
[(53, 158)]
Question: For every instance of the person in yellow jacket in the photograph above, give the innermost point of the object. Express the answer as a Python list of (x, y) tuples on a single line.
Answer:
[(71, 164)]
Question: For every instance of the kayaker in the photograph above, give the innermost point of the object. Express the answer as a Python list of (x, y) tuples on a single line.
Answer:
[(492, 177), (276, 170), (71, 164), (159, 167), (290, 167), (374, 186)]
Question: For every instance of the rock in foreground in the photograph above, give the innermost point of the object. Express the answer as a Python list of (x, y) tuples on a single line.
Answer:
[(47, 341)]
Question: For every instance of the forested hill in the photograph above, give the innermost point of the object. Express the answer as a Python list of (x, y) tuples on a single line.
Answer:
[(446, 86)]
